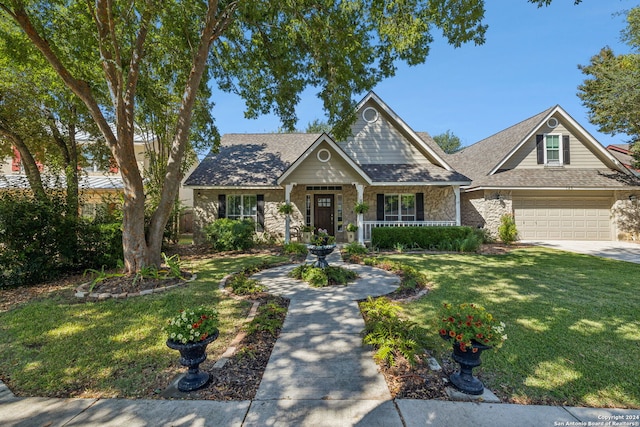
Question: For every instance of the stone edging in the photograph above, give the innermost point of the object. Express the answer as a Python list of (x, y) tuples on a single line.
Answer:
[(81, 292)]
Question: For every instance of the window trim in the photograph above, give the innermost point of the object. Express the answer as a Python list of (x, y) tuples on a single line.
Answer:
[(399, 214), (560, 160)]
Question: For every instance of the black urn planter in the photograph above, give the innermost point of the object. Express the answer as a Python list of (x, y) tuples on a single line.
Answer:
[(321, 253), (464, 380), (192, 354)]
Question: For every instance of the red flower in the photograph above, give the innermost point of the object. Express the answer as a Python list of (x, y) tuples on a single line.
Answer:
[(475, 350), (479, 336), (443, 332), (459, 337), (452, 334), (468, 323)]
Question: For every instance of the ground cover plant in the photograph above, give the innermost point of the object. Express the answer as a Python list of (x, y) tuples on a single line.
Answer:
[(320, 277), (572, 322), (58, 346)]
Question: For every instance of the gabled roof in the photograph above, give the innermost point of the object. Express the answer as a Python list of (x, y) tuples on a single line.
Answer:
[(427, 144), (477, 160), (483, 161), (250, 159), (326, 139)]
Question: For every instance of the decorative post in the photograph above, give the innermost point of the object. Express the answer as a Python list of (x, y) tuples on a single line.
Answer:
[(456, 191), (360, 216), (287, 218)]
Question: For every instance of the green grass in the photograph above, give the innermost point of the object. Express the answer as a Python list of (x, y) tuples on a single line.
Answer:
[(573, 322), (59, 346)]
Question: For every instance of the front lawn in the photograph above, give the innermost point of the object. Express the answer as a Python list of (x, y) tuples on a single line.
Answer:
[(60, 346), (573, 322)]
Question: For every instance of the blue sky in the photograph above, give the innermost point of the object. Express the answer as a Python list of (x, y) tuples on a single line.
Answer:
[(527, 64)]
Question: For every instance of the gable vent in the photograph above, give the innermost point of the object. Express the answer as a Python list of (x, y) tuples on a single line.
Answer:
[(370, 114)]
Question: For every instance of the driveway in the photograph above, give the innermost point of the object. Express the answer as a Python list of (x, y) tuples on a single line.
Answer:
[(622, 251)]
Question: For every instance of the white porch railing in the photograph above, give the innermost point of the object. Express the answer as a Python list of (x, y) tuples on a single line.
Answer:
[(368, 225)]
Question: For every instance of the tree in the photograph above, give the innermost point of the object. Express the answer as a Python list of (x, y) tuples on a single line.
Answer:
[(448, 142), (266, 52), (611, 92)]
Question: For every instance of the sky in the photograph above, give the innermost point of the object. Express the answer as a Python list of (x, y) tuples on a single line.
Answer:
[(528, 63)]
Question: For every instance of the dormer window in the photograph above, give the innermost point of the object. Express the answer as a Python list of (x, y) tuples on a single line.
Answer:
[(553, 149), (553, 154)]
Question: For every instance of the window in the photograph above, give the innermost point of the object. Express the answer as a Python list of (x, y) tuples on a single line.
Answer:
[(339, 208), (552, 149), (399, 207), (242, 207)]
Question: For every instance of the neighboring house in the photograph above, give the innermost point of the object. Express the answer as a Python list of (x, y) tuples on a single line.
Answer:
[(552, 175), (548, 171), (624, 155), (96, 184)]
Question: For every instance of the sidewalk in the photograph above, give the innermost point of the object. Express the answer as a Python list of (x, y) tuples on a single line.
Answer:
[(319, 374)]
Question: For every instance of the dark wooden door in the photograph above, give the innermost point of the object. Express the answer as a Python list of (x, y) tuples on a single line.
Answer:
[(323, 212)]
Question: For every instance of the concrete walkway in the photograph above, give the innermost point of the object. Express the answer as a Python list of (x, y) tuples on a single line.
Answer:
[(318, 375)]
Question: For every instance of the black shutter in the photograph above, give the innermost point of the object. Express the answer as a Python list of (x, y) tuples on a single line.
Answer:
[(419, 206), (380, 207), (540, 148), (260, 211), (565, 150), (222, 206)]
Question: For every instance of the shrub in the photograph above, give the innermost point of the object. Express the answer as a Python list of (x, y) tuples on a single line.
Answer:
[(319, 277), (294, 248), (433, 238), (240, 284), (41, 242), (228, 234), (269, 319), (507, 230), (355, 248), (389, 333)]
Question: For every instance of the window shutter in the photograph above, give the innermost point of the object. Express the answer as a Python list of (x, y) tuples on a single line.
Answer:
[(260, 211), (222, 206), (380, 207), (565, 150), (540, 148), (419, 206)]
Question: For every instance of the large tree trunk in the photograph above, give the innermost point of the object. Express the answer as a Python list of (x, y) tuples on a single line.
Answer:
[(29, 163)]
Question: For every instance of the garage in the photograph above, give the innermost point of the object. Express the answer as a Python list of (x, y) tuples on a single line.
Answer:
[(563, 218)]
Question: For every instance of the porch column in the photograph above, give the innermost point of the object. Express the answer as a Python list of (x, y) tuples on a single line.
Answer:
[(359, 219), (287, 218), (456, 191)]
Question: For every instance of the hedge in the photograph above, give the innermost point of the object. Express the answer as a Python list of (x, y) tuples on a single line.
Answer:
[(419, 237)]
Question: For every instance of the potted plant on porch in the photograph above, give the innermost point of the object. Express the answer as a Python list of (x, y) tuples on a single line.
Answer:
[(307, 231), (472, 330), (351, 232), (190, 332)]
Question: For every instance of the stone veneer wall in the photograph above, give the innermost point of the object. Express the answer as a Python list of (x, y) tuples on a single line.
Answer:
[(483, 209), (622, 203), (439, 203), (206, 211)]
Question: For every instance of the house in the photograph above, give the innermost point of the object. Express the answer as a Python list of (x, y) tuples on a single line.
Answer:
[(96, 183), (552, 175), (556, 179), (623, 153)]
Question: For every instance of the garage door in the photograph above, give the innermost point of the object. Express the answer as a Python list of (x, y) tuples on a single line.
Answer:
[(563, 219)]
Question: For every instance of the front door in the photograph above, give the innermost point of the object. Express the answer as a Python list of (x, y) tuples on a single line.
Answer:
[(323, 212)]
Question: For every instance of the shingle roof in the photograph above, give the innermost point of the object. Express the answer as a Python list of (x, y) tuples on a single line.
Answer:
[(477, 160), (411, 173), (557, 177), (250, 159), (259, 159)]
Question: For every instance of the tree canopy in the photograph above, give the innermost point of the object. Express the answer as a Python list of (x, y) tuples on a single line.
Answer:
[(449, 142), (611, 91), (110, 52)]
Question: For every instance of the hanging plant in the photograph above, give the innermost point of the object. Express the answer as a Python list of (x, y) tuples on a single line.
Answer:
[(361, 208), (286, 208)]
